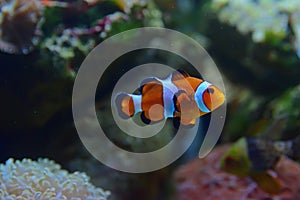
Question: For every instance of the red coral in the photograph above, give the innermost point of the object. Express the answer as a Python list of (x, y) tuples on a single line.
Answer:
[(203, 179)]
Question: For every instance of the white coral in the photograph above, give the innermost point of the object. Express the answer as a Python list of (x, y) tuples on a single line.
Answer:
[(260, 17), (44, 179)]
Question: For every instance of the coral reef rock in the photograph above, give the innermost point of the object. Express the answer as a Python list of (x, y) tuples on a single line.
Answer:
[(18, 25), (44, 179), (202, 179)]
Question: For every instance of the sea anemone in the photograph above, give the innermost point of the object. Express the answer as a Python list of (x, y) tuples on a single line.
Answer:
[(44, 179), (18, 25)]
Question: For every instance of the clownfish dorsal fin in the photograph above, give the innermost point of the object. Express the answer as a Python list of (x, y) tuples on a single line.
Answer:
[(179, 74), (148, 80)]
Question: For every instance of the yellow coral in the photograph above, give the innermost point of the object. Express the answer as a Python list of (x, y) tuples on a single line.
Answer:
[(44, 179)]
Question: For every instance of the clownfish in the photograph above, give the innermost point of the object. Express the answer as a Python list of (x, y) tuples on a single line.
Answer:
[(177, 96)]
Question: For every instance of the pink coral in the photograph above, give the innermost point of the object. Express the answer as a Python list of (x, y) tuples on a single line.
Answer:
[(203, 179)]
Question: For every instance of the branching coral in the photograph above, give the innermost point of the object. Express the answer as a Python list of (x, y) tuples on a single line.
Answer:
[(18, 24), (44, 179), (262, 18)]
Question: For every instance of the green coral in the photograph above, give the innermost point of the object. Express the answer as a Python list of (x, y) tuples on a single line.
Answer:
[(152, 16), (66, 44)]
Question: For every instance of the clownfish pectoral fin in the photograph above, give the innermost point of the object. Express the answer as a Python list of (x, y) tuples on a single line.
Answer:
[(125, 105), (175, 100), (267, 182), (179, 74), (193, 121), (177, 121), (188, 122), (179, 98), (185, 108)]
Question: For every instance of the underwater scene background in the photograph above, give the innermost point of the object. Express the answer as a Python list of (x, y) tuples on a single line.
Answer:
[(255, 45)]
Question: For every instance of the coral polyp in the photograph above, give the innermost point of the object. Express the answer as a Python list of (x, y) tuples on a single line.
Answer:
[(44, 179)]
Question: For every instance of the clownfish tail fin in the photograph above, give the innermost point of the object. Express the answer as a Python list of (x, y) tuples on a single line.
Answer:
[(125, 104)]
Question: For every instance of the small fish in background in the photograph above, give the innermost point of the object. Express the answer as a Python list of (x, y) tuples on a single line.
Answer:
[(178, 96), (255, 157)]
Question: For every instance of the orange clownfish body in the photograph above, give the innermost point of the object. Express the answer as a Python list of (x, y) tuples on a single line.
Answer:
[(179, 95)]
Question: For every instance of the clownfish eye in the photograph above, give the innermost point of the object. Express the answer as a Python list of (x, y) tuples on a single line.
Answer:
[(210, 90)]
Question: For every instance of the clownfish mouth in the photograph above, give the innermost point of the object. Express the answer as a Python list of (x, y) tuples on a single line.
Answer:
[(217, 101)]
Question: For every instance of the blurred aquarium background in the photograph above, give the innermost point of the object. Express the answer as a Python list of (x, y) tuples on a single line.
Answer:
[(254, 43)]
